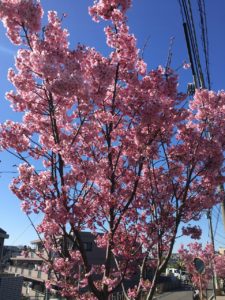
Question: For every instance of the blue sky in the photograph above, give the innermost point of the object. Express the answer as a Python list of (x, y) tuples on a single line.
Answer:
[(153, 20)]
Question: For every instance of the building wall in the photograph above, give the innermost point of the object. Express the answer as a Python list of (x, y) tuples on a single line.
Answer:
[(1, 247), (28, 267), (221, 250), (10, 251), (3, 235), (10, 287), (30, 274), (95, 255)]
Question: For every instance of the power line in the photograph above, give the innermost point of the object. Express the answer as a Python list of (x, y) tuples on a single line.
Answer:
[(24, 231), (221, 243), (195, 44), (21, 234), (217, 221), (205, 42), (192, 45), (192, 41), (221, 236), (188, 31)]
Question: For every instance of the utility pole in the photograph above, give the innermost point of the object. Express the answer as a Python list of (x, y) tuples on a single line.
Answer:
[(215, 283), (221, 189), (199, 82)]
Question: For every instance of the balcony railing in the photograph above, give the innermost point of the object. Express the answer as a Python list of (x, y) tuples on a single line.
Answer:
[(31, 256), (28, 273), (36, 295)]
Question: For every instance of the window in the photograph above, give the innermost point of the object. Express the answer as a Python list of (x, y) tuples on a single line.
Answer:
[(39, 274), (88, 246)]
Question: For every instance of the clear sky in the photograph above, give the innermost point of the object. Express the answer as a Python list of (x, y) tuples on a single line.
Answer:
[(154, 20)]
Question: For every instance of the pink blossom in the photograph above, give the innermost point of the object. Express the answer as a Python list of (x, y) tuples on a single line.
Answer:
[(220, 266), (18, 14), (194, 231), (108, 9), (195, 250), (186, 65), (109, 147)]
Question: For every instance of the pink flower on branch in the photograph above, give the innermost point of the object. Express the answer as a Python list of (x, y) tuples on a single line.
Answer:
[(186, 65), (109, 9), (18, 14), (195, 250), (220, 266), (107, 146)]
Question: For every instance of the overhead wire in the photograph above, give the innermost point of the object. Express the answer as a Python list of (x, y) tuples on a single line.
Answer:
[(193, 50), (188, 30), (194, 56), (192, 40), (196, 50), (221, 236), (21, 234), (25, 229), (217, 221), (221, 243), (204, 36)]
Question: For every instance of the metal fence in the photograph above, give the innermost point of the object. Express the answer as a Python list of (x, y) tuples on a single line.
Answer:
[(120, 296), (117, 296)]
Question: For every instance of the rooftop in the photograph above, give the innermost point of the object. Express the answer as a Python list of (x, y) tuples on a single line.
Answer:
[(3, 234)]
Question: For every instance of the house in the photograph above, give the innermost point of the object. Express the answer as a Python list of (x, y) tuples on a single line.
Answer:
[(221, 250), (174, 261), (10, 285), (10, 251), (30, 267), (3, 236)]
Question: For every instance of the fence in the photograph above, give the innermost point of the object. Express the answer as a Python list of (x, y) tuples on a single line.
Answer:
[(117, 296), (120, 296)]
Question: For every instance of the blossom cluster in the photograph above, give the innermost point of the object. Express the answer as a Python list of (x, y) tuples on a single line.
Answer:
[(18, 14), (109, 146), (195, 250)]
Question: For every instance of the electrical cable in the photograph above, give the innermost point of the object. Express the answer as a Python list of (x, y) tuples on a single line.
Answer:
[(195, 43), (221, 236), (23, 232), (190, 43), (217, 221), (204, 35)]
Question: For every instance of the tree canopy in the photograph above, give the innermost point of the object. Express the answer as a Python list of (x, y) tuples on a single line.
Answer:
[(123, 154)]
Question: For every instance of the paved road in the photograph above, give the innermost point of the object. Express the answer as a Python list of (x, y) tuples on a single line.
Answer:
[(175, 295), (184, 294)]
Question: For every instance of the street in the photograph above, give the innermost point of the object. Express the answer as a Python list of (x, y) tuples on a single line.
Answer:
[(185, 293), (175, 295)]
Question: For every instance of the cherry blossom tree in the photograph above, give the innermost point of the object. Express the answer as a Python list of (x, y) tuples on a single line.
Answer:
[(212, 261), (195, 250), (219, 262), (109, 146)]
